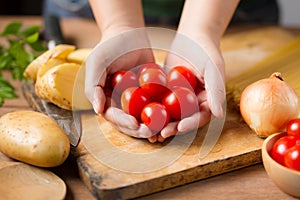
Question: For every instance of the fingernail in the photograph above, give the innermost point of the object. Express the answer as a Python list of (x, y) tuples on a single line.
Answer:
[(133, 126), (130, 121), (167, 132), (181, 127), (163, 134), (96, 106)]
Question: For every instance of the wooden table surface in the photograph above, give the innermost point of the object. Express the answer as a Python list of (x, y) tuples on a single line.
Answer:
[(247, 183)]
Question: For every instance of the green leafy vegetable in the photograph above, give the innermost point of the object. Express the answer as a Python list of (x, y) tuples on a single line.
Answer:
[(23, 45), (6, 90), (12, 29)]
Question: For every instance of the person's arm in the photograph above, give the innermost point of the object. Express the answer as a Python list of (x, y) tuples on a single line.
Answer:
[(202, 22), (205, 22), (209, 18), (115, 16), (124, 44)]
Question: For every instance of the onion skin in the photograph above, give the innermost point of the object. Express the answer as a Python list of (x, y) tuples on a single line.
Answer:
[(268, 105)]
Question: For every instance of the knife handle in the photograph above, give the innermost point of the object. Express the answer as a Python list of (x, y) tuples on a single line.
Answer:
[(52, 31)]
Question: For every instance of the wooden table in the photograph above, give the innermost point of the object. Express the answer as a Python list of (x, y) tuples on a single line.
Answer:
[(247, 183)]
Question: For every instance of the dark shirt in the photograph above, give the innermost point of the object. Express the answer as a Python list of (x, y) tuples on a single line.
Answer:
[(248, 11)]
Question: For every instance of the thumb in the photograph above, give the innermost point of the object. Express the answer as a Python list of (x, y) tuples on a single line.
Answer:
[(99, 99), (95, 76), (215, 88)]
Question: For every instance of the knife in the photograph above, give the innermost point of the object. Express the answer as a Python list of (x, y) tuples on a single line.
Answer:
[(52, 32), (77, 132), (76, 135)]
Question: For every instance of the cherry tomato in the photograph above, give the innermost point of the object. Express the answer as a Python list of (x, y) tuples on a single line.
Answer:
[(181, 76), (201, 95), (133, 100), (154, 82), (281, 146), (108, 82), (155, 116), (292, 157), (123, 79), (107, 91), (180, 103), (147, 66), (200, 85), (293, 127), (112, 98)]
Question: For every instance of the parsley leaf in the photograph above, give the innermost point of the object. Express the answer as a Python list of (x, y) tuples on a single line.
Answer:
[(24, 45)]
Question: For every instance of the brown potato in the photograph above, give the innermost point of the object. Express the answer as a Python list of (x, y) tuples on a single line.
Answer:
[(52, 62), (33, 138), (59, 51), (79, 56), (57, 84)]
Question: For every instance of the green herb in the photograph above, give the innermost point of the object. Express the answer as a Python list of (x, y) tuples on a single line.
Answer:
[(6, 90), (23, 45)]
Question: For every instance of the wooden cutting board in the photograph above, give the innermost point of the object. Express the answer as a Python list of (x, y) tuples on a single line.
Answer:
[(237, 146)]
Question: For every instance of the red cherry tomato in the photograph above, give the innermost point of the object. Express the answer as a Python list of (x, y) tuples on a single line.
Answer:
[(107, 91), (133, 100), (147, 66), (181, 76), (155, 116), (123, 79), (108, 82), (292, 157), (112, 98), (154, 82), (180, 103), (281, 146), (293, 127)]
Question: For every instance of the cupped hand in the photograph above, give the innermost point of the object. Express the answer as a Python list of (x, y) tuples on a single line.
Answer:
[(131, 48), (117, 50), (202, 56)]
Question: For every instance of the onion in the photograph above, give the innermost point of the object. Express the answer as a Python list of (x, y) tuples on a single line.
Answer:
[(268, 104)]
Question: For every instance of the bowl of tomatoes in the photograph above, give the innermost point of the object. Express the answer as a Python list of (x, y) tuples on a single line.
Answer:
[(281, 158)]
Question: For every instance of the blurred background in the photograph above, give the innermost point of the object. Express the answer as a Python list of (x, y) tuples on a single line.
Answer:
[(21, 7), (289, 9)]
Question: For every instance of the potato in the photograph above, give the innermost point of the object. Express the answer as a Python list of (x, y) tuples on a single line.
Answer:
[(33, 138), (57, 84), (79, 100), (52, 62), (79, 56), (59, 51)]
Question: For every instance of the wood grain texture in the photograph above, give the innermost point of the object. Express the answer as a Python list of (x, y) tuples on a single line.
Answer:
[(21, 181), (244, 49), (236, 148)]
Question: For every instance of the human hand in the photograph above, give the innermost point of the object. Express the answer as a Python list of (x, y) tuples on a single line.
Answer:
[(116, 51), (202, 56), (112, 62)]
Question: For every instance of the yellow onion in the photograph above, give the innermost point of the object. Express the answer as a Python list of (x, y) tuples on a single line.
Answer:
[(268, 104)]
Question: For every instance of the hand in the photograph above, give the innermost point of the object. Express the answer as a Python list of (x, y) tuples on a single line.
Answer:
[(206, 62), (116, 52), (111, 62)]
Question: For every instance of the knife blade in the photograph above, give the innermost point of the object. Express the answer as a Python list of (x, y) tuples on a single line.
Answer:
[(76, 135), (75, 138)]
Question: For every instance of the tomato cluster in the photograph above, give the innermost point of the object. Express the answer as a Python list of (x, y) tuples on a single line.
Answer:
[(286, 150), (153, 96)]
